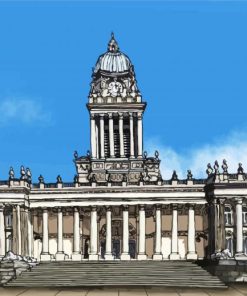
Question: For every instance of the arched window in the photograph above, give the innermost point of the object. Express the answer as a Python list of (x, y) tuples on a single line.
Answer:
[(244, 211), (228, 215)]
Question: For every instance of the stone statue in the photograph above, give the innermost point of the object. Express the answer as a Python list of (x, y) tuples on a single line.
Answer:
[(75, 154), (76, 179), (145, 154), (23, 173), (59, 179), (156, 154), (174, 176), (216, 167), (11, 173), (88, 154), (41, 179), (29, 175), (240, 168), (224, 167), (189, 175), (209, 170)]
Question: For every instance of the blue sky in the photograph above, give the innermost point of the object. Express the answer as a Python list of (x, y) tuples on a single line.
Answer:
[(190, 61)]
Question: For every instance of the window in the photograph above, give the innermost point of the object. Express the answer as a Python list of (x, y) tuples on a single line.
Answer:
[(244, 211), (228, 215), (245, 244)]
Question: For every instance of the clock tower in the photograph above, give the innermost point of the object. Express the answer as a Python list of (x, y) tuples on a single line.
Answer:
[(116, 113)]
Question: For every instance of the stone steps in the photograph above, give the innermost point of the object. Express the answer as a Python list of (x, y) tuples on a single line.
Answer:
[(117, 273)]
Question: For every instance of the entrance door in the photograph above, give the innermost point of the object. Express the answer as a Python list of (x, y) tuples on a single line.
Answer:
[(132, 248), (116, 248)]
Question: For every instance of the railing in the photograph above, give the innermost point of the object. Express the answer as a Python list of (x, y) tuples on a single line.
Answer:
[(4, 183)]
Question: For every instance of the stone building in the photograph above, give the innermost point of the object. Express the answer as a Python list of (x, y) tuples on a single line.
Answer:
[(119, 206)]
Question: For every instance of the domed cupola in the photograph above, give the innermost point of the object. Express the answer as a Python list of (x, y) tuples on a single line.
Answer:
[(113, 78), (113, 61)]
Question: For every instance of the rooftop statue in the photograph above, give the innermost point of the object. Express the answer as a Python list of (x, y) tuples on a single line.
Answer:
[(225, 167), (11, 173), (240, 168), (209, 170), (23, 173)]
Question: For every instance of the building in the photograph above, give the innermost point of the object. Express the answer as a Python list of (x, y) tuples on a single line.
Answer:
[(118, 206)]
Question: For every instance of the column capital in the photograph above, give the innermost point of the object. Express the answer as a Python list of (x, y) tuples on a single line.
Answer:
[(102, 115), (238, 200), (174, 206), (158, 206), (110, 115), (141, 207), (108, 208), (130, 115), (125, 207), (190, 206), (139, 115), (120, 115), (92, 116), (93, 208)]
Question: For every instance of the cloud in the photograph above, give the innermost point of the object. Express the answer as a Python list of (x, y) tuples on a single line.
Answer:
[(23, 110), (233, 148)]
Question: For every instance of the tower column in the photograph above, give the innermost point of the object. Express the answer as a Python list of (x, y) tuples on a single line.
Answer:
[(93, 135), (142, 234), (132, 151), (111, 135), (18, 219), (102, 136), (191, 255), (60, 254), (45, 256), (125, 254), (239, 229), (139, 131), (174, 243), (2, 232), (93, 255), (108, 248), (157, 255), (76, 256), (121, 139)]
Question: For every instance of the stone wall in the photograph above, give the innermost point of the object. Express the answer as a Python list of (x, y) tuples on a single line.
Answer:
[(11, 269)]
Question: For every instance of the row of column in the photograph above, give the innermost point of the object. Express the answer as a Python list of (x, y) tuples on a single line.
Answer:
[(125, 255), (98, 136)]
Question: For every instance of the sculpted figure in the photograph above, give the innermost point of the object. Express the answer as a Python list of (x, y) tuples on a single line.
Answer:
[(23, 173), (41, 179), (240, 168), (216, 167), (224, 167), (11, 173), (59, 179), (209, 170)]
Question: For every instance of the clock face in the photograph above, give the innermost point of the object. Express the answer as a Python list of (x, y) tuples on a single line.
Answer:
[(115, 88)]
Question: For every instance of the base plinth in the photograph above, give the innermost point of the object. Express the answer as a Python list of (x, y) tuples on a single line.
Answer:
[(109, 257), (174, 256), (76, 257), (45, 257), (93, 257), (125, 257), (157, 257), (141, 257), (191, 256), (60, 256)]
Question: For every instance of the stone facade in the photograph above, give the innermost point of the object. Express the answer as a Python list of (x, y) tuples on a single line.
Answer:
[(119, 206)]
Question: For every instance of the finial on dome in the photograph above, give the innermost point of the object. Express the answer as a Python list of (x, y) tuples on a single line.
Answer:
[(112, 45)]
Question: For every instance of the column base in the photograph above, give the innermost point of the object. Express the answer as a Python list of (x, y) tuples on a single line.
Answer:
[(109, 257), (191, 256), (141, 257), (125, 256), (45, 257), (240, 256), (174, 256), (93, 257), (60, 256), (157, 256), (76, 257)]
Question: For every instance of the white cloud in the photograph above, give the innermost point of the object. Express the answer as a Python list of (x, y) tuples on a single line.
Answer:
[(233, 148), (23, 110)]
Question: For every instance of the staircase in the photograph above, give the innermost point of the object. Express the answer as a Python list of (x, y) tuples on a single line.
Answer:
[(117, 273)]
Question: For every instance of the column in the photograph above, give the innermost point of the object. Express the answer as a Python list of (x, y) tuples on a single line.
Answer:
[(174, 241), (102, 136), (111, 135), (142, 234), (18, 224), (108, 245), (191, 252), (60, 253), (93, 135), (29, 233), (132, 151), (93, 254), (121, 137), (125, 254), (76, 256), (239, 229), (2, 232), (157, 255), (45, 256), (139, 132)]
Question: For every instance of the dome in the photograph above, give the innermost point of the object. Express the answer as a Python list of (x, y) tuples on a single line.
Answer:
[(113, 60)]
